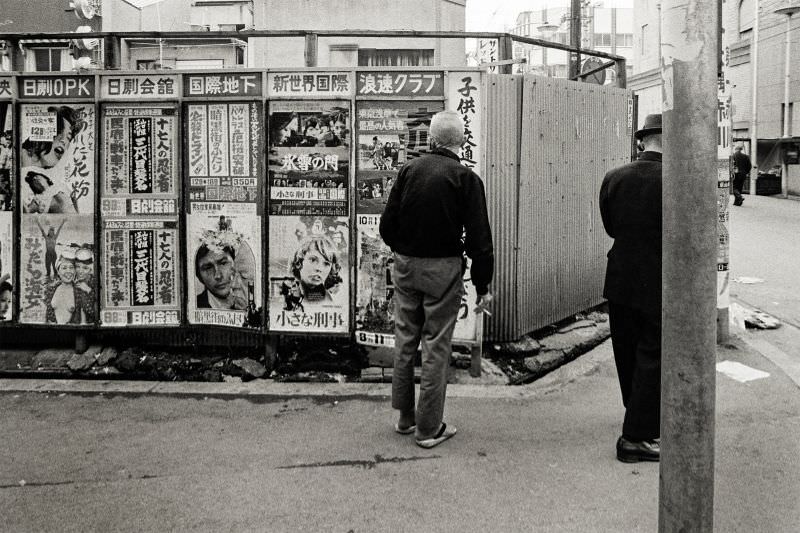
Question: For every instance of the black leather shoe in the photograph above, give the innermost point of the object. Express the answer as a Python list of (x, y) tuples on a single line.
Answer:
[(633, 452)]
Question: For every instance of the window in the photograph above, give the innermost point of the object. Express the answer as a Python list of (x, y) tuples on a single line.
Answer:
[(625, 39), (783, 118), (47, 59), (146, 64), (746, 16), (374, 57), (642, 39), (602, 39)]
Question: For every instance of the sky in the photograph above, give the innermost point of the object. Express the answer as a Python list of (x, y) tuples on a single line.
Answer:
[(501, 15)]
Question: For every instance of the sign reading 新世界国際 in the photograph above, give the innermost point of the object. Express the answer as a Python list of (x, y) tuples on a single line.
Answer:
[(317, 84)]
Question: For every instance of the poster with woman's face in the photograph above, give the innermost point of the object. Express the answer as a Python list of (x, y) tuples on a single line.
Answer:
[(224, 270), (57, 144), (6, 157), (57, 270), (309, 274)]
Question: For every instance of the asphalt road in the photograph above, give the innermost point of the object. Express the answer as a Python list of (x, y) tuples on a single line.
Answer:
[(534, 458)]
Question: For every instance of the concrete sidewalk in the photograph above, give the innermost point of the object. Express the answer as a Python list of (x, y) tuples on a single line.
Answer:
[(267, 456)]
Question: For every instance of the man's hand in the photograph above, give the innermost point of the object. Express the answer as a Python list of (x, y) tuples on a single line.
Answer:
[(483, 303)]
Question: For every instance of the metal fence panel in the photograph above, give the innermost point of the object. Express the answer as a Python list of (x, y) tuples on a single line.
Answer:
[(503, 114), (571, 135)]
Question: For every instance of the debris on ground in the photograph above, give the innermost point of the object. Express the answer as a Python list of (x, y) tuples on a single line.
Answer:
[(744, 280), (742, 318)]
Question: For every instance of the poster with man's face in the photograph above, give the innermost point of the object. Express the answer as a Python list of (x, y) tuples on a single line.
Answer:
[(224, 270), (57, 144), (57, 270), (309, 274)]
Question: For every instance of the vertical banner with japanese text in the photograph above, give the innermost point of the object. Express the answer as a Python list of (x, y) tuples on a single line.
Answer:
[(724, 173), (139, 209), (224, 203), (309, 262), (57, 195), (7, 162)]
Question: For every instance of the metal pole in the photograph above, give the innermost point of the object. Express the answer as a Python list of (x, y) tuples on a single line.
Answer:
[(311, 49), (575, 38), (754, 102), (788, 11), (689, 243)]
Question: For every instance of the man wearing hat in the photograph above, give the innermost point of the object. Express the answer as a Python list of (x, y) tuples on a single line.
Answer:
[(630, 205)]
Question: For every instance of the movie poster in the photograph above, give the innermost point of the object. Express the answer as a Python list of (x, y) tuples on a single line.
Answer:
[(57, 145), (57, 271), (223, 142), (6, 267), (309, 271), (57, 195), (139, 208), (224, 223), (375, 290), (309, 158), (6, 157), (139, 166), (224, 270), (390, 134), (6, 215), (140, 285)]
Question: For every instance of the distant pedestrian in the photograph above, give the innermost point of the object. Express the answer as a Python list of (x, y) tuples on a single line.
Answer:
[(741, 170), (630, 205), (434, 201)]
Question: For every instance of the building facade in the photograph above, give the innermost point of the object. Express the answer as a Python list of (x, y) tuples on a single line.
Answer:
[(605, 26), (287, 52), (738, 31)]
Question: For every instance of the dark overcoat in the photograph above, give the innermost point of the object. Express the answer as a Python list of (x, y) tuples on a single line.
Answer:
[(630, 206)]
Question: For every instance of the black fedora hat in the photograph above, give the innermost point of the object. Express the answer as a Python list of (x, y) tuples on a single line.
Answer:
[(652, 124)]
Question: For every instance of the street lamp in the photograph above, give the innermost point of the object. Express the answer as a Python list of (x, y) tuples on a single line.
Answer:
[(788, 11)]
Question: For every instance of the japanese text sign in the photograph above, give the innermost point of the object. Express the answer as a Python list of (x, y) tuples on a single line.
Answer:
[(5, 87), (409, 84), (41, 87), (309, 84), (139, 87), (242, 84)]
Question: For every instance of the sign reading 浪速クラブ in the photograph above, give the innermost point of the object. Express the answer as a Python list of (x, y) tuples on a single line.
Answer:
[(409, 84)]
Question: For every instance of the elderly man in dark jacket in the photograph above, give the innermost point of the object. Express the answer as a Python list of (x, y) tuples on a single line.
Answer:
[(434, 202), (630, 205)]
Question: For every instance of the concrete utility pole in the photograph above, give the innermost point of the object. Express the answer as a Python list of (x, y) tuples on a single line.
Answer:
[(689, 313), (575, 38), (754, 99)]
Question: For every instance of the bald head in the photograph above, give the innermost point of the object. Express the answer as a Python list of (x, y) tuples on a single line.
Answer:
[(447, 130)]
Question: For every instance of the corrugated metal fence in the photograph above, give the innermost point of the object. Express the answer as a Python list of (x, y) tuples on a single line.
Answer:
[(549, 143)]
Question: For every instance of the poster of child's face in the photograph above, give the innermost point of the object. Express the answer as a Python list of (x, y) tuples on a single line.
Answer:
[(225, 271), (308, 273), (57, 158)]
